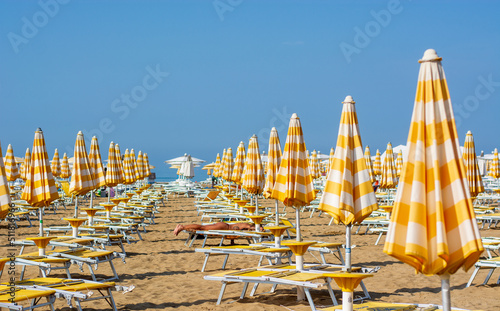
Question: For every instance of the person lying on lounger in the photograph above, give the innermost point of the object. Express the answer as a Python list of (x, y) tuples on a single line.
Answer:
[(217, 226)]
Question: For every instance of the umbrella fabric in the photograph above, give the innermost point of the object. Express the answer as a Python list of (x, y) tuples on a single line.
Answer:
[(330, 159), (128, 172), (217, 166), (348, 196), (389, 178), (239, 164), (95, 162), (147, 170), (10, 165), (81, 176), (369, 165), (495, 167), (26, 164), (223, 164), (294, 183), (55, 164), (65, 172), (113, 175), (273, 162), (4, 189), (399, 163), (133, 161), (470, 160), (313, 162), (188, 167), (433, 227), (377, 164), (119, 160), (253, 178), (229, 165), (40, 188), (140, 166)]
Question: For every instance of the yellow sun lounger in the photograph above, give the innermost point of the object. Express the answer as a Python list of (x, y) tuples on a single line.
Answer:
[(12, 298), (490, 264)]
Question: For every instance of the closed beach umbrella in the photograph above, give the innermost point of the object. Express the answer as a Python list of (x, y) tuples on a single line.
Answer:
[(133, 162), (433, 226), (95, 162), (81, 175), (239, 163), (26, 164), (495, 167), (377, 164), (113, 173), (4, 189), (222, 164), (55, 165), (470, 160), (10, 165), (65, 171), (253, 178), (128, 172), (294, 183), (273, 162), (348, 196), (140, 166), (119, 160), (40, 188), (314, 165), (229, 165), (147, 169), (369, 164), (399, 163), (389, 179), (217, 166), (330, 159), (188, 167)]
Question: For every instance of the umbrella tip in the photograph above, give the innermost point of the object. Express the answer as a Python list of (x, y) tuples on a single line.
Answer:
[(254, 136), (430, 55), (469, 133), (273, 129), (39, 129), (348, 100), (294, 116)]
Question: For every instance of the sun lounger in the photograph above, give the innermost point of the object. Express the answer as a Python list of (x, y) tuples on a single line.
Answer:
[(490, 264), (33, 296), (377, 306)]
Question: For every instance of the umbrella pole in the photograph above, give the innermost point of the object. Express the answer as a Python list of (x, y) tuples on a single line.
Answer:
[(256, 205), (445, 291), (41, 221), (277, 213), (347, 264), (109, 193), (91, 198), (297, 223), (76, 206)]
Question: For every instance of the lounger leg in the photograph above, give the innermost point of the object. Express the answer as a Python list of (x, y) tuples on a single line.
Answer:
[(116, 277), (379, 237), (309, 298), (472, 277), (365, 291), (488, 276), (112, 300), (225, 262), (193, 239), (205, 262), (222, 289), (274, 288), (330, 291), (254, 289), (78, 304), (244, 291)]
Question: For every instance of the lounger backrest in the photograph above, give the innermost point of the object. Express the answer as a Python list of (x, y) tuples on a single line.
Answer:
[(211, 195)]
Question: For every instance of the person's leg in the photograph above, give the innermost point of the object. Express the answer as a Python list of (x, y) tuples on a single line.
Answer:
[(217, 226)]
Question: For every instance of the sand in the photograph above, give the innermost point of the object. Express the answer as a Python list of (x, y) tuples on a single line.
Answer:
[(167, 274)]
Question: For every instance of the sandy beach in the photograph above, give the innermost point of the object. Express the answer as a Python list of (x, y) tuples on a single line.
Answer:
[(167, 274)]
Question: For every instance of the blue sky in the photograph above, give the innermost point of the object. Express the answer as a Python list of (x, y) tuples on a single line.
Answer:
[(175, 77)]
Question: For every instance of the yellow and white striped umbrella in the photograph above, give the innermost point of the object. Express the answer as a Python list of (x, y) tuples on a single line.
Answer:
[(113, 174), (147, 170), (389, 178), (377, 164), (495, 166), (223, 164), (10, 165), (95, 162), (470, 160), (369, 165), (253, 177), (433, 226), (55, 165), (229, 165), (348, 196), (81, 175), (330, 159), (239, 164), (4, 189), (217, 166), (294, 183), (399, 163), (40, 188), (133, 161), (273, 162), (140, 173), (25, 168), (65, 171), (119, 160), (128, 171), (313, 163)]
